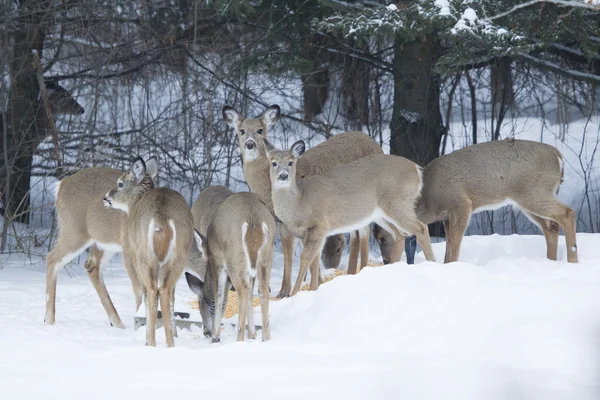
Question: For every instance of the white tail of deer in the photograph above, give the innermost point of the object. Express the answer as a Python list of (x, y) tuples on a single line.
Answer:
[(379, 188), (240, 231), (83, 221), (486, 176), (157, 239), (339, 149)]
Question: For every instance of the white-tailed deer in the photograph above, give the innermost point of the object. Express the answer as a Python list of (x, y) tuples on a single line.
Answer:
[(379, 188), (487, 176), (60, 103), (157, 239), (84, 221), (239, 247), (339, 149)]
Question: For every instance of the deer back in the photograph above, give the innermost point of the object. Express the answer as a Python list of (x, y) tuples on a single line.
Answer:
[(206, 204), (488, 175), (225, 232), (157, 218), (80, 209)]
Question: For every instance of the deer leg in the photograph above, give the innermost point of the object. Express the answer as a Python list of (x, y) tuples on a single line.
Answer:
[(251, 325), (136, 285), (152, 314), (313, 244), (93, 266), (354, 249), (61, 255), (264, 275), (457, 222), (166, 295), (551, 230), (241, 289), (287, 246), (565, 216), (172, 313), (364, 235), (447, 233), (220, 293)]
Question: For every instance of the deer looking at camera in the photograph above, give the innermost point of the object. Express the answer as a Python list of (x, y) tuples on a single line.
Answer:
[(240, 231), (486, 176), (379, 188), (337, 150), (157, 239)]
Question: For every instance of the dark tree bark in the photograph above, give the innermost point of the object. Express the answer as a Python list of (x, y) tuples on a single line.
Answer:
[(416, 126), (315, 85), (22, 136), (355, 92)]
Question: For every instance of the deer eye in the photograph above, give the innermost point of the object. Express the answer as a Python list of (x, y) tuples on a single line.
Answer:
[(260, 131), (120, 184), (243, 132), (382, 240), (290, 163), (274, 164)]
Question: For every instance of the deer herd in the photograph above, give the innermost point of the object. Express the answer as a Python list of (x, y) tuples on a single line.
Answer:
[(343, 185)]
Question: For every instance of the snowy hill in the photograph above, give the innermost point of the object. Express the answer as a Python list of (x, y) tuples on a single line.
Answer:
[(504, 323)]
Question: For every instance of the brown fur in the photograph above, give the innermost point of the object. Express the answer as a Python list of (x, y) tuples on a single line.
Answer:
[(339, 149), (161, 241), (320, 205), (486, 174), (154, 208), (226, 252), (82, 218)]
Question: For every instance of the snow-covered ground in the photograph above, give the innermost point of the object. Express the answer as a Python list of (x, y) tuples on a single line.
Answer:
[(504, 323)]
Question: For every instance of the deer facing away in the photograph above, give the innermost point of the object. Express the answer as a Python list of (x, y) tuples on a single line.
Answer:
[(339, 149), (379, 188), (157, 239), (239, 248), (487, 176)]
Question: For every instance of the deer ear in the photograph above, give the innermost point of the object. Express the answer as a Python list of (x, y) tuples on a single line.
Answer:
[(271, 115), (268, 146), (138, 169), (201, 243), (152, 167), (298, 148), (231, 117), (195, 284)]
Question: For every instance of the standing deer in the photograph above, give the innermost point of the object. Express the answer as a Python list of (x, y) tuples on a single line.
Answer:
[(379, 188), (239, 247), (60, 103), (339, 149), (83, 221), (487, 176), (157, 239)]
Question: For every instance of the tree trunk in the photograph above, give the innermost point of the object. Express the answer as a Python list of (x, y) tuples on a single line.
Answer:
[(22, 136), (416, 127)]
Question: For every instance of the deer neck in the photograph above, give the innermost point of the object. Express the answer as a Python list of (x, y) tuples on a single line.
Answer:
[(256, 172), (142, 188), (286, 201)]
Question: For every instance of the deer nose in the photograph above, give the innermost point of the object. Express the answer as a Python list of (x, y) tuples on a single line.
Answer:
[(82, 110), (386, 261), (106, 201), (283, 176), (250, 144)]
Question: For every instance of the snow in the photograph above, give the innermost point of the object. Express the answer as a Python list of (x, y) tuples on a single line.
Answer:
[(392, 7), (503, 323), (444, 6)]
